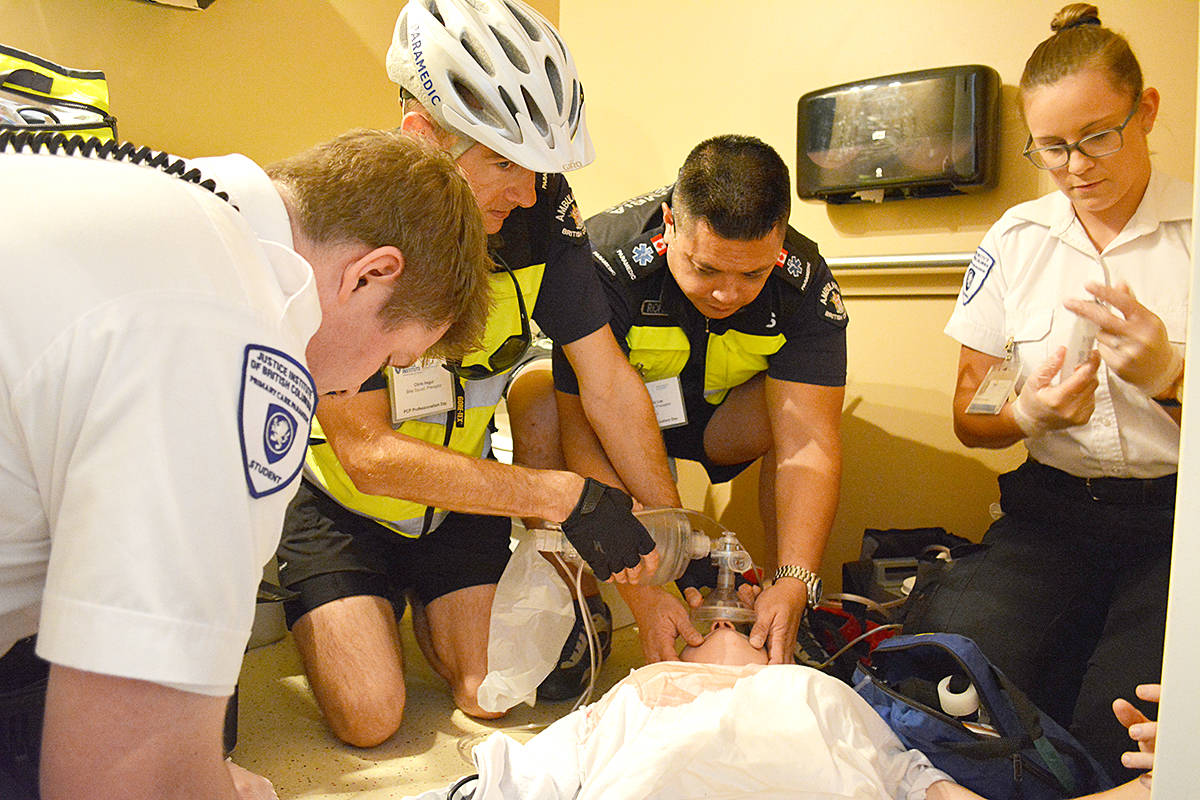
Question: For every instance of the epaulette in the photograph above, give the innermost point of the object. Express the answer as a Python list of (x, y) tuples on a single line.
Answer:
[(799, 260), (635, 259), (623, 222)]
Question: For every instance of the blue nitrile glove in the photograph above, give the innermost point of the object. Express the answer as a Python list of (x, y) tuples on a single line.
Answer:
[(604, 531)]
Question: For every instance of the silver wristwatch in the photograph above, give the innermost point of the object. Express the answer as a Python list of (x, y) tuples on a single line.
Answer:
[(810, 578)]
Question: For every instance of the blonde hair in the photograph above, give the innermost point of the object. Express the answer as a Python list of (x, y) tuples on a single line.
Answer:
[(1081, 42), (385, 188)]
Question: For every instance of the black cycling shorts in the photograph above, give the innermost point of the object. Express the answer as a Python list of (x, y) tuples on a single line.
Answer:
[(687, 441), (328, 552)]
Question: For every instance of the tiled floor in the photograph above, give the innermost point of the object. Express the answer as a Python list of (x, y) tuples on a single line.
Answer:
[(282, 736)]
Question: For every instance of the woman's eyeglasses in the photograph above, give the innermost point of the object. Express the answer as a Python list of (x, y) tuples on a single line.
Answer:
[(1094, 145), (506, 356)]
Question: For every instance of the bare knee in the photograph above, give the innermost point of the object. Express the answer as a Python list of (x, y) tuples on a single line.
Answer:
[(365, 719), (351, 654), (533, 418), (466, 697)]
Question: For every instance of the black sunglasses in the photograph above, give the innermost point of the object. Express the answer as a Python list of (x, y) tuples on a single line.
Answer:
[(506, 356)]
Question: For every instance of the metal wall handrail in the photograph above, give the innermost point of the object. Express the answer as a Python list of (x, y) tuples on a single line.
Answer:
[(917, 260)]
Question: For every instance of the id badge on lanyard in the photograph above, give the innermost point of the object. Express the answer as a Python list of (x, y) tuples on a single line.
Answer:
[(997, 385), (667, 396), (417, 391)]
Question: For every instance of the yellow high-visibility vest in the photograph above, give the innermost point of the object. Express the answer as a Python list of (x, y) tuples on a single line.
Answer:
[(469, 434), (731, 358)]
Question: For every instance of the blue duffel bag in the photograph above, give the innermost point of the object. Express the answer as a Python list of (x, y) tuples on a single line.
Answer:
[(1007, 750)]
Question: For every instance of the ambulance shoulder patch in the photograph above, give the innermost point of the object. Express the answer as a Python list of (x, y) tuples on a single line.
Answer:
[(977, 272), (275, 411), (832, 307)]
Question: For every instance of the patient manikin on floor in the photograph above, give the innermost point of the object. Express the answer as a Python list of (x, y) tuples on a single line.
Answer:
[(736, 728)]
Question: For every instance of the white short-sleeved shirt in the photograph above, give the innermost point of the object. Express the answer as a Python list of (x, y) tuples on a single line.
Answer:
[(154, 409), (1038, 255), (673, 731)]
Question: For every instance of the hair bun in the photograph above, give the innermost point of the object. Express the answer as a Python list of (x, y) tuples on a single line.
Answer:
[(1074, 15)]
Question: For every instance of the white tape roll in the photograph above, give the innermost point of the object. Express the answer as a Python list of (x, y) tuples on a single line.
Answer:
[(957, 704)]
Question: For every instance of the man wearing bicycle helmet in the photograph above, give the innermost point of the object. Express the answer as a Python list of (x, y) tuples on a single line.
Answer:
[(400, 493)]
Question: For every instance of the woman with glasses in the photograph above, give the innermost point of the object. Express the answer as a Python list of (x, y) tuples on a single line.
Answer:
[(1078, 302)]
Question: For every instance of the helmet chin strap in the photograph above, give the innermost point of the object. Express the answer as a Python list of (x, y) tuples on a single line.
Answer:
[(461, 144)]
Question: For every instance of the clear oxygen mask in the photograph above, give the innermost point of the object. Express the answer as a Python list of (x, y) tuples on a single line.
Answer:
[(723, 604)]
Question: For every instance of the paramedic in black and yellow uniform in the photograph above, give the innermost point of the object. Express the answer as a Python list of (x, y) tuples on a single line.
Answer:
[(738, 329), (400, 494)]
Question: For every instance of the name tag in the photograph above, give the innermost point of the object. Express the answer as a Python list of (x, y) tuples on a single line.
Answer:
[(667, 396), (417, 391), (995, 388)]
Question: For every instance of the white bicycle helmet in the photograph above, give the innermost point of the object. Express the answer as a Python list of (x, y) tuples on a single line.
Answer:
[(498, 73)]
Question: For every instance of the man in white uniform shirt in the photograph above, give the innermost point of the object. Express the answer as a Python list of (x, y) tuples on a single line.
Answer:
[(164, 349)]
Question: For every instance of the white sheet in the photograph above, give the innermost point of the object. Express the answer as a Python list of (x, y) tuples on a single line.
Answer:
[(674, 731)]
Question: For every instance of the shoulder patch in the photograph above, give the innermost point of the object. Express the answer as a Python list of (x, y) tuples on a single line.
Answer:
[(977, 272), (568, 216), (832, 307), (275, 411), (796, 267), (629, 220), (634, 259), (799, 261), (642, 254)]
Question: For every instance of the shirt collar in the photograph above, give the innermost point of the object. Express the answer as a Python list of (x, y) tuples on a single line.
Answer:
[(1165, 200), (254, 194), (258, 201)]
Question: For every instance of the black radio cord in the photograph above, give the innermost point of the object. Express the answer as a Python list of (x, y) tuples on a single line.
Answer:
[(16, 140)]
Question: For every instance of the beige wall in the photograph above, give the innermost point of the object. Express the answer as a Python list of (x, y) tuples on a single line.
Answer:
[(262, 77), (714, 66), (267, 77)]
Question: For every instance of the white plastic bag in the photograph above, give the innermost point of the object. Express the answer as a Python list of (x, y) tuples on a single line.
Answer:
[(531, 617)]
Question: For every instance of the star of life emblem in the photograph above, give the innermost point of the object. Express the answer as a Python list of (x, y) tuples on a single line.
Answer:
[(274, 415), (642, 254)]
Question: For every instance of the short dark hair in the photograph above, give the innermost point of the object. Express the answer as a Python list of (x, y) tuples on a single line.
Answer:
[(737, 184)]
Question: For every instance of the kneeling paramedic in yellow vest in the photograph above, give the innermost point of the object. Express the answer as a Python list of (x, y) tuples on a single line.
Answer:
[(738, 329), (402, 501)]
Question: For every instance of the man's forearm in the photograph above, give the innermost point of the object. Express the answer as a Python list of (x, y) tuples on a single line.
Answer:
[(806, 428), (622, 415), (382, 461), (806, 498), (582, 451), (437, 476), (618, 409)]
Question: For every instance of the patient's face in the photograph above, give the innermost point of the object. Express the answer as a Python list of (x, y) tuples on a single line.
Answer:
[(725, 646)]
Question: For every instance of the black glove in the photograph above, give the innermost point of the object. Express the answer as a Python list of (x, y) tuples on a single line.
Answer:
[(603, 529)]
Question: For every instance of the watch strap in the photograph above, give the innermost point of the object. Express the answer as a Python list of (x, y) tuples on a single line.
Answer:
[(810, 579)]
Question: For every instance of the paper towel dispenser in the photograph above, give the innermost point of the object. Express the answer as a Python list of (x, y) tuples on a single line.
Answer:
[(927, 133)]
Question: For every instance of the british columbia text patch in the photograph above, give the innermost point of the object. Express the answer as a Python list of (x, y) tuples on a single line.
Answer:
[(274, 417)]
